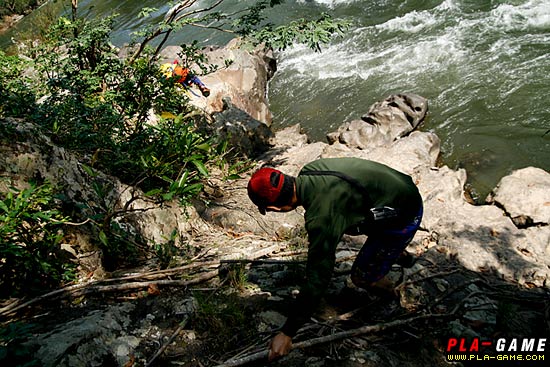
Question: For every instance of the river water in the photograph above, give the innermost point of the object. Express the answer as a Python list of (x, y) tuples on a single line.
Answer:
[(483, 65)]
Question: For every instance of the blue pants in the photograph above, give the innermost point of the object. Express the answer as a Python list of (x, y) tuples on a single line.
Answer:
[(381, 251), (193, 80)]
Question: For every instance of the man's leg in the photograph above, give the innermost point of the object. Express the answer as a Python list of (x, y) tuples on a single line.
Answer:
[(380, 252), (204, 90), (374, 261)]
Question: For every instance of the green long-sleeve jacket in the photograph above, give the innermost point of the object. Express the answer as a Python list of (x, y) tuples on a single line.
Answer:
[(332, 206)]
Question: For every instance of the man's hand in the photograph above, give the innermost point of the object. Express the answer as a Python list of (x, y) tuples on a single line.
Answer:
[(280, 346)]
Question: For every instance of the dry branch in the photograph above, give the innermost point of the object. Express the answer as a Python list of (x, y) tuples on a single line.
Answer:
[(14, 306), (369, 329), (261, 261), (99, 286), (80, 290), (170, 340)]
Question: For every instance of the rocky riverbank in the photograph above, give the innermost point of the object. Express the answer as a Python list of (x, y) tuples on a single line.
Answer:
[(482, 270)]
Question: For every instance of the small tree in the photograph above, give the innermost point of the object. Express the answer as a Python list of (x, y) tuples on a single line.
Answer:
[(248, 22), (31, 227)]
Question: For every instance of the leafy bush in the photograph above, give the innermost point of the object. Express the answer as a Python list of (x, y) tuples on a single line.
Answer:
[(313, 33), (99, 104), (94, 99), (17, 96), (31, 228), (8, 7)]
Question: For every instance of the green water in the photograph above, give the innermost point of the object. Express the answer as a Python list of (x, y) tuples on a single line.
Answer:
[(484, 67)]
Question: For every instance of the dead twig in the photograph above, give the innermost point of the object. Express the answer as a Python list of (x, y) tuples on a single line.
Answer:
[(262, 261), (291, 253), (168, 342), (69, 289), (437, 275), (137, 285), (277, 261)]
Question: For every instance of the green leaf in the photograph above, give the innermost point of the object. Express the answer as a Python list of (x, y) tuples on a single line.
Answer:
[(200, 166), (4, 207), (89, 170), (168, 195), (204, 146), (103, 238), (153, 192), (233, 177)]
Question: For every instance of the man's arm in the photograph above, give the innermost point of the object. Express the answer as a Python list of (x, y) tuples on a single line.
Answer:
[(323, 239)]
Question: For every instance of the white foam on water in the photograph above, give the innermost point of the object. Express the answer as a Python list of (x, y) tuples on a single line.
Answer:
[(329, 3), (435, 40), (532, 14), (448, 5), (345, 60), (412, 22)]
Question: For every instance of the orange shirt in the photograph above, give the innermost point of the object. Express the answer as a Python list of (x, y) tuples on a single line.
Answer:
[(174, 70)]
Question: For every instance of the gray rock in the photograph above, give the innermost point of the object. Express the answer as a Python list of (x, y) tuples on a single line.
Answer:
[(524, 195), (96, 339), (387, 120)]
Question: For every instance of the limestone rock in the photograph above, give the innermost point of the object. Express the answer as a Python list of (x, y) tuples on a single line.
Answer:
[(524, 195), (387, 120), (244, 81)]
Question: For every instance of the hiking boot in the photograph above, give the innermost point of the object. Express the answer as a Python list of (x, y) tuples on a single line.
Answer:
[(205, 91), (382, 289)]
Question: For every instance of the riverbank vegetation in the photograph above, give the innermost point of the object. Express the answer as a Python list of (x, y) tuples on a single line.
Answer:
[(13, 7), (76, 88)]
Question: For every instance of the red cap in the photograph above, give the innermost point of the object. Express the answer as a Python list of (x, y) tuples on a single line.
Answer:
[(265, 187)]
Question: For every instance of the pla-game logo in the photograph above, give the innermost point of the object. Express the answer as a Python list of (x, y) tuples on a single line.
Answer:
[(502, 349)]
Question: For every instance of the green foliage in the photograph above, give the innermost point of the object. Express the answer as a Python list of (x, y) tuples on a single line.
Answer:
[(92, 101), (16, 89), (237, 276), (169, 252), (236, 169), (312, 33), (191, 54), (171, 157), (223, 317), (9, 7), (31, 228), (99, 104), (247, 21)]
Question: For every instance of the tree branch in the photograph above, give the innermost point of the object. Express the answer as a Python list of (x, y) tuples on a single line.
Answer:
[(369, 329)]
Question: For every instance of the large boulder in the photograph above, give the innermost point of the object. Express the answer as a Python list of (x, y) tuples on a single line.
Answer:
[(387, 120), (524, 195), (238, 95), (243, 81), (244, 134)]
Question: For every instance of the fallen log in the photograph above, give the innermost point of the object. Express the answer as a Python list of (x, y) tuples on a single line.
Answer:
[(98, 286), (88, 289)]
